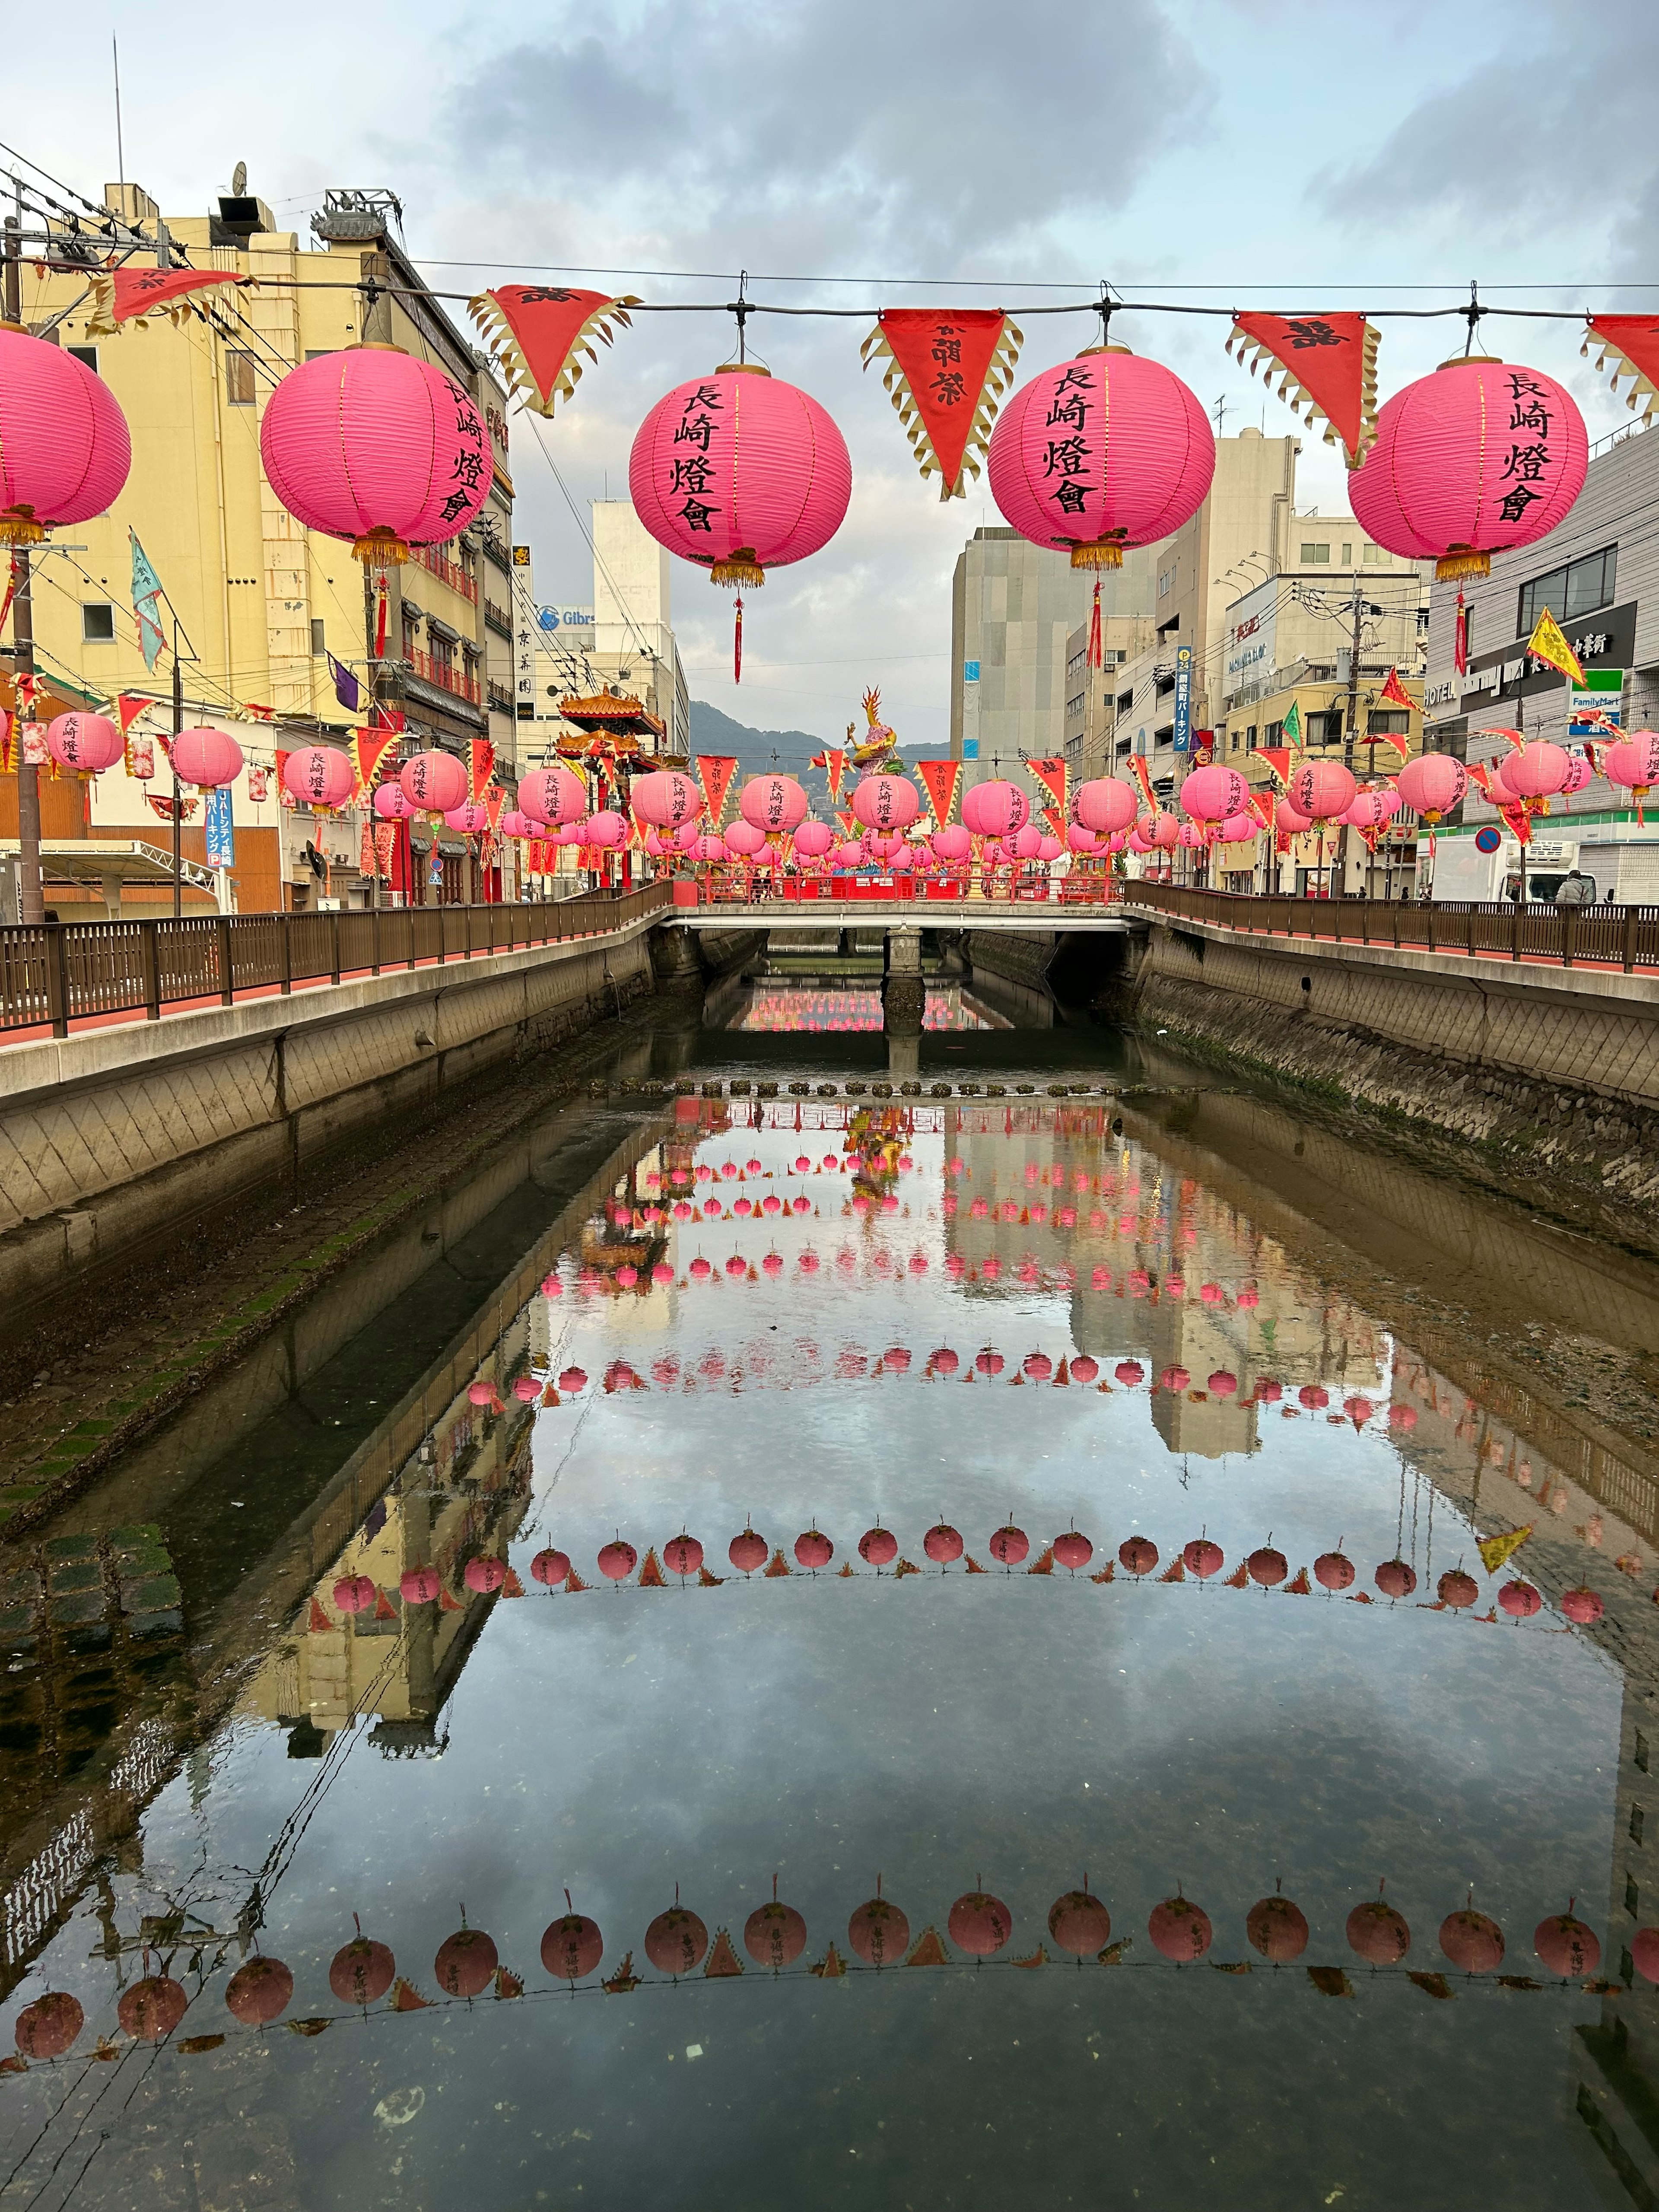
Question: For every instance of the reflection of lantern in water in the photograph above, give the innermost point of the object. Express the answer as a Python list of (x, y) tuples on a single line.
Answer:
[(943, 1361), (1073, 1550), (1397, 1578), (676, 1940), (1009, 1545), (747, 1551), (259, 1992), (1175, 1379), (1583, 1605), (1080, 1922), (878, 1546), (1267, 1566), (1378, 1933), (1644, 1952), (419, 1585), (813, 1549), (550, 1567), (152, 2008), (1473, 1942), (572, 1946), (879, 1931), (1519, 1600), (942, 1544), (361, 1971), (979, 1923), (485, 1576), (1138, 1555), (47, 2028), (1566, 1945), (1333, 1571), (354, 1594), (465, 1962), (617, 1560), (1277, 1929), (1084, 1370), (1179, 1930), (774, 1934), (1457, 1589), (573, 1379), (1037, 1366), (1313, 1397), (1203, 1556), (1130, 1373), (681, 1554), (989, 1362)]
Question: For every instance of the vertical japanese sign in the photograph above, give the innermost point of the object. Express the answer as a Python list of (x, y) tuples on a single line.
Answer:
[(1184, 698), (220, 830)]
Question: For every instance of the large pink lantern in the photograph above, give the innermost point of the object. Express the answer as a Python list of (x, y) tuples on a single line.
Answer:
[(1105, 805), (1634, 763), (664, 799), (606, 830), (86, 743), (1137, 841), (771, 803), (687, 834), (813, 839), (995, 809), (374, 446), (1371, 808), (849, 853), (1163, 830), (65, 449), (1432, 785), (1323, 790), (1475, 460), (885, 802), (1027, 842), (739, 472), (320, 776), (1099, 453), (1538, 769), (952, 844), (469, 820), (743, 837), (554, 795), (1211, 794), (1049, 847), (391, 803), (206, 758), (1238, 829), (434, 782), (883, 844)]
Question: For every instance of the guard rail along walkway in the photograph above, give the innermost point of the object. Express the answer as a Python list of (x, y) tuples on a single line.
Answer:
[(1624, 937), (56, 973)]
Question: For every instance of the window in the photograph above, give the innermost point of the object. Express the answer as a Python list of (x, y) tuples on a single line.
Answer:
[(1326, 729), (1249, 736), (1374, 556), (1125, 700), (239, 376), (1639, 1751), (89, 354), (1313, 553), (98, 622), (1348, 557), (1570, 592), (1632, 1895), (318, 645), (1075, 707), (1387, 722), (1273, 733), (1638, 1822)]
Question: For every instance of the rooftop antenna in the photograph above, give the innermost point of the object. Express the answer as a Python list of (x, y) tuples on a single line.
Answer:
[(1219, 410), (120, 151)]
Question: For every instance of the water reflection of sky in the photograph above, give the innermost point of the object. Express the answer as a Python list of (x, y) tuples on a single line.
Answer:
[(937, 1729), (835, 1007)]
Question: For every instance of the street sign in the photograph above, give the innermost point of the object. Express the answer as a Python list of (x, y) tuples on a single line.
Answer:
[(1184, 698), (219, 829)]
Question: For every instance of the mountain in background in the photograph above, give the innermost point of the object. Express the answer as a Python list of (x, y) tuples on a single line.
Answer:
[(712, 732)]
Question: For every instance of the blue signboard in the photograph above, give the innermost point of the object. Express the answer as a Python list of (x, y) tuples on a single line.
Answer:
[(1488, 839), (971, 748), (220, 830), (1184, 698), (970, 671)]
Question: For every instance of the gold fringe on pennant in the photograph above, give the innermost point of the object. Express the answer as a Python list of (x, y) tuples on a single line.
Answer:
[(999, 380), (1249, 352), (101, 323), (1641, 385), (509, 356)]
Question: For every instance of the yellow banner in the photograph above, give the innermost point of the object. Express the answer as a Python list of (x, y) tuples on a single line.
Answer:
[(1548, 643), (1497, 1552)]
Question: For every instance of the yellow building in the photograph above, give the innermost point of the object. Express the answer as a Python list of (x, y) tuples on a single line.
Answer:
[(260, 602)]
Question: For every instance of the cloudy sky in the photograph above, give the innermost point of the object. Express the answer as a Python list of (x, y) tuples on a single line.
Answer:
[(1288, 154)]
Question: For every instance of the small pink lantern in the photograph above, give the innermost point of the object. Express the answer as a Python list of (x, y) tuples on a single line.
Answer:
[(1289, 821), (1634, 763), (709, 851), (1105, 805), (607, 831), (391, 804), (995, 809), (743, 838), (434, 782), (64, 447), (1101, 453), (86, 743), (664, 799), (1082, 841), (1323, 790), (1027, 842), (515, 824), (1049, 847), (952, 844), (771, 803), (813, 839), (1432, 785), (1211, 794), (207, 758), (888, 804), (849, 854), (1193, 837), (1371, 808), (552, 795), (319, 776), (1163, 831), (371, 445), (1474, 459), (1538, 769), (469, 820)]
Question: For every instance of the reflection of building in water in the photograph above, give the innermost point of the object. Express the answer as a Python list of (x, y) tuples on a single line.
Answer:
[(836, 1007), (463, 1494)]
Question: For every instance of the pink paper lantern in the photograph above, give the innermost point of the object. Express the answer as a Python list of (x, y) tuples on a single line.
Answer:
[(516, 825), (664, 799), (1372, 808), (742, 837), (887, 803), (1027, 842), (1211, 794), (468, 821), (1323, 790), (1290, 820), (1538, 770), (552, 795), (1106, 806), (1432, 785), (65, 449), (849, 854), (433, 782), (1238, 829), (1164, 832), (1101, 453), (1634, 763), (813, 839), (1049, 847), (207, 758), (709, 851), (995, 809), (1579, 773), (1475, 460), (374, 446), (390, 804), (771, 803), (1083, 841), (739, 472), (86, 743), (320, 776), (607, 830), (1138, 841)]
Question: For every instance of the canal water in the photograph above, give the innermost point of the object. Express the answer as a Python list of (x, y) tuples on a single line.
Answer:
[(843, 1629)]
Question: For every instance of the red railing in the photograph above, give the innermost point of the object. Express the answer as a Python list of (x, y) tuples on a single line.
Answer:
[(445, 676), (447, 571), (727, 888)]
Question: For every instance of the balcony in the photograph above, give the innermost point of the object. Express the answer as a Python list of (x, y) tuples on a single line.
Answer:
[(447, 571), (500, 698), (497, 618), (447, 677)]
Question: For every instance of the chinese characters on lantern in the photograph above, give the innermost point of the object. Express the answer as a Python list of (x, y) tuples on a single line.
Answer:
[(691, 477), (1068, 451), (1527, 462)]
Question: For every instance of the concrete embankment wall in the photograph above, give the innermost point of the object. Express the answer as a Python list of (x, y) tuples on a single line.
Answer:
[(112, 1137), (1545, 1081)]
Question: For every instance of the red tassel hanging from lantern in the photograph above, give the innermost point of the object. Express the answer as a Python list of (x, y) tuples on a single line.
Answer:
[(1096, 651), (737, 643)]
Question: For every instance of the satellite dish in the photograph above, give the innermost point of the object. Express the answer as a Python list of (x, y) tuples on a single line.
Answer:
[(239, 180)]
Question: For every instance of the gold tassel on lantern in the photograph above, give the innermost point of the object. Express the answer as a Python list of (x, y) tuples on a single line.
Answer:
[(1105, 552), (741, 568), (1459, 562), (381, 548)]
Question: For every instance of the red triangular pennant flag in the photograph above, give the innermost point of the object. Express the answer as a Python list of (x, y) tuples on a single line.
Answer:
[(947, 372), (940, 778), (1396, 692), (482, 756), (367, 749), (129, 706), (1052, 775), (320, 1624), (714, 773), (1139, 765), (1278, 758), (537, 334), (1632, 343), (834, 764), (1329, 364), (123, 294)]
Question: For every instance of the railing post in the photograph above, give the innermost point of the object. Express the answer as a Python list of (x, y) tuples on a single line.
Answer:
[(1430, 907), (151, 967), (1514, 932), (1630, 938), (56, 978), (334, 946), (227, 988), (374, 939), (1568, 921), (285, 937)]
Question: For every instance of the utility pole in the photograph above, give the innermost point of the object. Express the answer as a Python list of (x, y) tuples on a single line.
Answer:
[(1357, 613), (178, 803), (31, 902)]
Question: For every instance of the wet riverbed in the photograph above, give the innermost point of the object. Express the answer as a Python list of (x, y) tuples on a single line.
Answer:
[(1010, 1476)]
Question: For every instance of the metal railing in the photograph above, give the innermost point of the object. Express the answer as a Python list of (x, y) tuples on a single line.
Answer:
[(56, 973), (897, 890), (446, 675), (1625, 936), (447, 571)]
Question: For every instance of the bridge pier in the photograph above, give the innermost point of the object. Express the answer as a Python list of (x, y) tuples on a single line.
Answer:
[(904, 993)]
